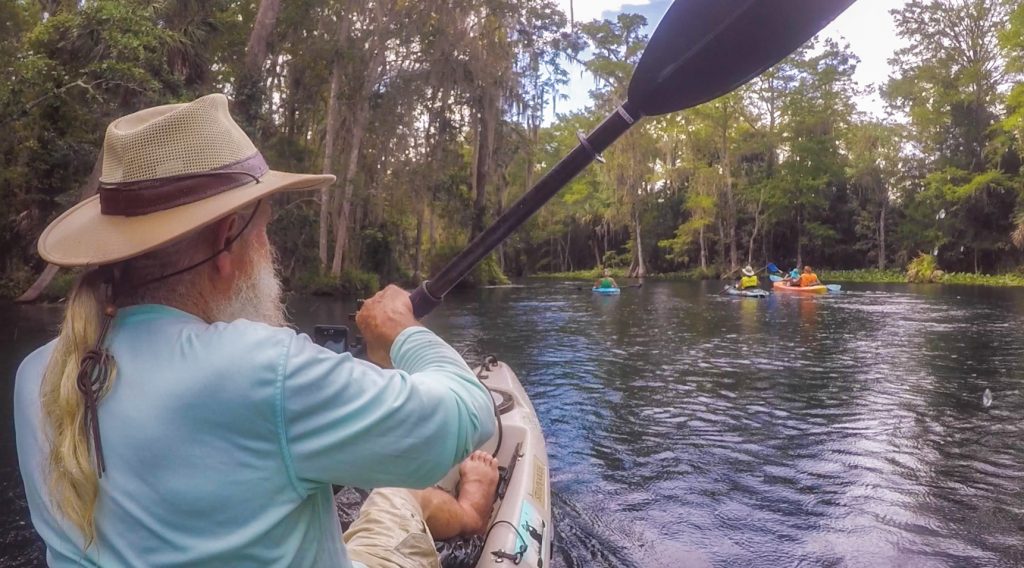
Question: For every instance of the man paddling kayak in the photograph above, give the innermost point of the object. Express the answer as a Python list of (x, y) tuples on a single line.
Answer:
[(748, 280), (176, 420)]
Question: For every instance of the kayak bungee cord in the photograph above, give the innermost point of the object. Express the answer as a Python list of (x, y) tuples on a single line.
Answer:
[(501, 554)]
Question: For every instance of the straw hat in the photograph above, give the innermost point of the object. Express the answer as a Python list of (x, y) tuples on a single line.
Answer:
[(167, 171), (748, 271)]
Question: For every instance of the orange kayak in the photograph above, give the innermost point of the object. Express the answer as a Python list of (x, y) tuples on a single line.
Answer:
[(783, 287)]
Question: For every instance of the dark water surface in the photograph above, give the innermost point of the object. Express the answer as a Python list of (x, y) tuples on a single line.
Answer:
[(691, 429)]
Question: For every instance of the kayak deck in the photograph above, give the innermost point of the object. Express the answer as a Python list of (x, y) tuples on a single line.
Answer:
[(748, 293), (606, 291), (521, 523), (524, 491)]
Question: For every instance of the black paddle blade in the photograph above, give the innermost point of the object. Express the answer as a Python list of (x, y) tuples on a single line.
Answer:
[(705, 48)]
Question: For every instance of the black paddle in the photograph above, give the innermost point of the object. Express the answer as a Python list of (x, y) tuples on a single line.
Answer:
[(701, 50)]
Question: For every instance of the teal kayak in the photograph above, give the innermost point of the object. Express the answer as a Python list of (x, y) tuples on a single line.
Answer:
[(748, 293), (606, 291)]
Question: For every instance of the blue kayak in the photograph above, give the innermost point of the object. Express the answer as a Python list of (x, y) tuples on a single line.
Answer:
[(606, 291)]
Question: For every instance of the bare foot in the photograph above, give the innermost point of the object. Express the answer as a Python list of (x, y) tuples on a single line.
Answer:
[(477, 487)]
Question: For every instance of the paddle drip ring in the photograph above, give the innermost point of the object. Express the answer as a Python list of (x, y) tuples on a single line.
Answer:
[(586, 145)]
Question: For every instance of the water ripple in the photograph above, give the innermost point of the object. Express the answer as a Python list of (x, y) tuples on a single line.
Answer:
[(690, 429)]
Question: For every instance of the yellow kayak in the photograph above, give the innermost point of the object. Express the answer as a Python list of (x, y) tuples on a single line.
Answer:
[(783, 287)]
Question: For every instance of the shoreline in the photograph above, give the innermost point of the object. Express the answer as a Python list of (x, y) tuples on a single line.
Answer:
[(865, 275)]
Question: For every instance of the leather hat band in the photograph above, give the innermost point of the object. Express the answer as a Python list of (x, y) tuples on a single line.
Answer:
[(146, 196)]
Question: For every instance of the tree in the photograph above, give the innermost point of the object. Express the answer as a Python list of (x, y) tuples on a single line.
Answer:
[(950, 80), (874, 171), (818, 111)]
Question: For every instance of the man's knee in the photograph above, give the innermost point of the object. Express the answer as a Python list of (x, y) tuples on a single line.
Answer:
[(391, 532)]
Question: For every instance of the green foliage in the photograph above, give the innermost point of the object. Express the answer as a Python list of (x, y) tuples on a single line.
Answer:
[(60, 286), (621, 274), (14, 283), (614, 260), (351, 284), (896, 276), (76, 70), (590, 275), (866, 275), (971, 279), (692, 274), (486, 273), (924, 268)]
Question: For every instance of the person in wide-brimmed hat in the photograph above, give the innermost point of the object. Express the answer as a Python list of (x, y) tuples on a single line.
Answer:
[(748, 280), (175, 420)]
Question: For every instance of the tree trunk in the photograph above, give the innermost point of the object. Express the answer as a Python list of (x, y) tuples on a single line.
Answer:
[(641, 269), (730, 203), (485, 149), (330, 139), (757, 225), (607, 229), (360, 120), (342, 221), (262, 27), (502, 197), (703, 250), (418, 256), (249, 97), (881, 237), (328, 163), (721, 242), (764, 245), (432, 234), (799, 240), (568, 249)]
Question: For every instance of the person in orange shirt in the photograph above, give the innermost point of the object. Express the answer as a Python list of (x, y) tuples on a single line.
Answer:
[(809, 278)]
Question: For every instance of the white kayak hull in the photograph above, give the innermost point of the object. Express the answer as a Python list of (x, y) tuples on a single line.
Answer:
[(526, 503)]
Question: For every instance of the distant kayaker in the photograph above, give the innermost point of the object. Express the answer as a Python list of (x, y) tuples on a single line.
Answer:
[(748, 280), (607, 281), (793, 278), (177, 420), (809, 278)]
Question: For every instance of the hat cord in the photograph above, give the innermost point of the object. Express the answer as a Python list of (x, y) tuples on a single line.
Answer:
[(226, 246)]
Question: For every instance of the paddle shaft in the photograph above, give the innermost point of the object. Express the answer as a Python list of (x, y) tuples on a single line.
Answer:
[(430, 293)]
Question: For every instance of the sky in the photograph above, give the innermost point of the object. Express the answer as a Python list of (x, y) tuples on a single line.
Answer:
[(866, 26)]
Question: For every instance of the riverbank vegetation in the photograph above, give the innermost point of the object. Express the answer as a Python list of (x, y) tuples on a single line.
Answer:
[(432, 116), (864, 275)]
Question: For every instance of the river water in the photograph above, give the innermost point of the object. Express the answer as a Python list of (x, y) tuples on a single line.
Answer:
[(692, 429)]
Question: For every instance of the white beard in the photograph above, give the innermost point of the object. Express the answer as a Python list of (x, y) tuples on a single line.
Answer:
[(256, 295)]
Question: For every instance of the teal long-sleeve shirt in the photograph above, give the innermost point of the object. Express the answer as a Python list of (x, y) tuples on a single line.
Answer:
[(222, 441)]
